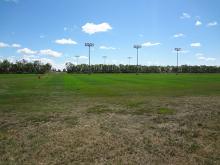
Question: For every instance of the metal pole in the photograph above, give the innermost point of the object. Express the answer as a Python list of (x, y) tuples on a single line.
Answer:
[(89, 45), (89, 61), (137, 47), (177, 62), (177, 59)]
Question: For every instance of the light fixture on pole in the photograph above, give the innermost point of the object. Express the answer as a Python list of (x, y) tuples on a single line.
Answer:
[(129, 60), (177, 58), (77, 60), (89, 45), (104, 58), (137, 47)]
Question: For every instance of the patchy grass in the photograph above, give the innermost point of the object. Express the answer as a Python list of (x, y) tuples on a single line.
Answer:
[(110, 119), (99, 109), (166, 111), (71, 120)]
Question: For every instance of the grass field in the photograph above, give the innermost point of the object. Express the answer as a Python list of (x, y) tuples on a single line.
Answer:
[(110, 119)]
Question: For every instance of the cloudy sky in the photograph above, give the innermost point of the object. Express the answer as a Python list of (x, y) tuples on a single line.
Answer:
[(55, 31)]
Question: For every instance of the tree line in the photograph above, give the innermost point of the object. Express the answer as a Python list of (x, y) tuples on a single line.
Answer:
[(37, 67), (100, 68), (24, 67)]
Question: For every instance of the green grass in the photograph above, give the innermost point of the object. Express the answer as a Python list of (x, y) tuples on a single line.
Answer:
[(109, 119), (18, 88), (166, 111), (57, 92)]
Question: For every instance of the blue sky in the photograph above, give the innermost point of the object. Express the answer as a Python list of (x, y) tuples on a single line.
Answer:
[(55, 31)]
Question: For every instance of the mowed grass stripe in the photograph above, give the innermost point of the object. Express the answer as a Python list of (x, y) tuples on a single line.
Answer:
[(90, 85), (109, 85), (144, 84), (29, 93)]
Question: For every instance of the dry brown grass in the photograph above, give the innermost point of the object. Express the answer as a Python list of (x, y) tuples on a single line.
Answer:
[(116, 132)]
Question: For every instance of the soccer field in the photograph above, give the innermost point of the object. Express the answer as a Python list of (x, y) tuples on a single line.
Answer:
[(110, 118)]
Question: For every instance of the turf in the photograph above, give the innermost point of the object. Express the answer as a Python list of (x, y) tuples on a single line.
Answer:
[(110, 119)]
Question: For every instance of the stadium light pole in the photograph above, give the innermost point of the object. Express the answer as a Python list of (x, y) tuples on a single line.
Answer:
[(104, 58), (77, 60), (137, 47), (177, 58), (129, 60), (89, 45)]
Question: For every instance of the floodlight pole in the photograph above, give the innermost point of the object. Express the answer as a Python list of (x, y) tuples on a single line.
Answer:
[(104, 58), (177, 58), (77, 60), (129, 59), (137, 47), (89, 45)]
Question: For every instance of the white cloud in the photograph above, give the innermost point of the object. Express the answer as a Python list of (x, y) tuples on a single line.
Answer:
[(178, 35), (184, 51), (44, 60), (42, 36), (77, 59), (198, 23), (185, 16), (199, 54), (214, 23), (3, 45), (48, 60), (210, 59), (83, 57), (92, 28), (50, 52), (32, 58), (29, 53), (26, 51), (70, 28), (28, 57), (206, 58), (196, 44), (107, 48), (15, 1), (150, 44), (65, 41), (12, 59), (16, 45)]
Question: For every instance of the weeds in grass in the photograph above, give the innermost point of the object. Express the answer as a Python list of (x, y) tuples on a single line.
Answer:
[(165, 111), (71, 120), (38, 118), (193, 147), (98, 109)]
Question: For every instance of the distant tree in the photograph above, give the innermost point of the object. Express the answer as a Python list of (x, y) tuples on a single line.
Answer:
[(100, 68), (23, 66)]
